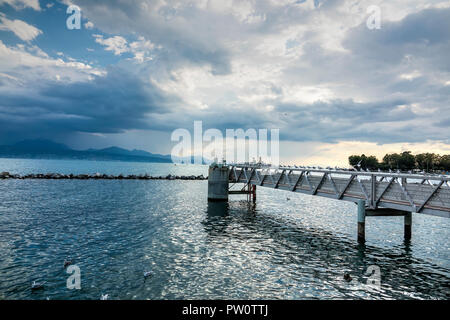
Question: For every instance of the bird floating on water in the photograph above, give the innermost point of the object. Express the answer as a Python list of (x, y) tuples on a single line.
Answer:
[(147, 274), (287, 199), (347, 277), (104, 297), (37, 285), (67, 263)]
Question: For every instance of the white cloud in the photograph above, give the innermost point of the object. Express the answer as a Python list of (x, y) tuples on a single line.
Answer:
[(141, 48), (22, 4), (89, 25), (117, 44), (20, 28), (411, 76), (31, 64)]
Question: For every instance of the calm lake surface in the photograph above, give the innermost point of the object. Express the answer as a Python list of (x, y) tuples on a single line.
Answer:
[(114, 230)]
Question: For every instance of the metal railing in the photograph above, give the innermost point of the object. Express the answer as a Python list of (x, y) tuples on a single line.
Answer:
[(421, 193)]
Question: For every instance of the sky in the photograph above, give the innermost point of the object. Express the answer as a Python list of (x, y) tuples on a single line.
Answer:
[(316, 70)]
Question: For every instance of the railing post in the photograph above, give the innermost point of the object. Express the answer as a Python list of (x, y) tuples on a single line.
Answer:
[(361, 221), (373, 191), (408, 226)]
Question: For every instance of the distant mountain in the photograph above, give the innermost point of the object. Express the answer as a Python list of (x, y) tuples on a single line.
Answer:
[(132, 153), (46, 149)]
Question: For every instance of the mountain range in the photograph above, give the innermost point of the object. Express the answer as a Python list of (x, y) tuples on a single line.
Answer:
[(46, 149)]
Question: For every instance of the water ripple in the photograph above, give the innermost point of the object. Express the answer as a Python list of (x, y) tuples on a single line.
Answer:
[(116, 230)]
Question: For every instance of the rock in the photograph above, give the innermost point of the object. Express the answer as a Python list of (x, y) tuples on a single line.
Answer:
[(4, 175)]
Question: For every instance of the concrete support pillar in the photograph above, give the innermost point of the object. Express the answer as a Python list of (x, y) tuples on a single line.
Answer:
[(408, 226), (218, 183), (254, 193), (361, 221)]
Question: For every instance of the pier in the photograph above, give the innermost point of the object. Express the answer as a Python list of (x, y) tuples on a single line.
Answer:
[(376, 194)]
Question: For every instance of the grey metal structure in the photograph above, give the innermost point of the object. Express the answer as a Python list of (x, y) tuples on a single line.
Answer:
[(420, 193)]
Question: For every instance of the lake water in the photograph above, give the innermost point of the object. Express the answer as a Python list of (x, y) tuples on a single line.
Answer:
[(114, 230)]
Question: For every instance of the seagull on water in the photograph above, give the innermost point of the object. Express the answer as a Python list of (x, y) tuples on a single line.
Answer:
[(104, 297), (37, 285), (67, 263), (347, 277), (147, 274)]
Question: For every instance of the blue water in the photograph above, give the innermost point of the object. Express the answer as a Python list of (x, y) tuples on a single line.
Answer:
[(27, 166), (114, 230)]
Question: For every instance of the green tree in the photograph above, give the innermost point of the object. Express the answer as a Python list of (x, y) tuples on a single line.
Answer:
[(354, 160), (364, 162), (427, 161), (444, 162), (407, 161), (392, 161)]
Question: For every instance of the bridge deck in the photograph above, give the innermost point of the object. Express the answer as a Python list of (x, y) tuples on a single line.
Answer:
[(407, 192)]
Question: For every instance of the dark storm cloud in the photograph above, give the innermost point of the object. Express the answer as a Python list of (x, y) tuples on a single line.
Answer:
[(425, 34), (110, 104)]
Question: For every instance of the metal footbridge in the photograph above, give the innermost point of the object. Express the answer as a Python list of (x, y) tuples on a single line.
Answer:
[(419, 193)]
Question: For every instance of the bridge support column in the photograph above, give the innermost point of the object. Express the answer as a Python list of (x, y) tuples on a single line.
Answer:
[(254, 193), (361, 221), (408, 226), (218, 183)]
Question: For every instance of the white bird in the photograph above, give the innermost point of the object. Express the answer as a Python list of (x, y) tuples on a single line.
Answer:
[(104, 297), (37, 285), (147, 274)]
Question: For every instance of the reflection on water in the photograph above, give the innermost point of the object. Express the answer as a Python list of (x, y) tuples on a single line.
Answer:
[(314, 255), (116, 230)]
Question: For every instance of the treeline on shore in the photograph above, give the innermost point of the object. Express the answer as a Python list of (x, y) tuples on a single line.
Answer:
[(428, 162)]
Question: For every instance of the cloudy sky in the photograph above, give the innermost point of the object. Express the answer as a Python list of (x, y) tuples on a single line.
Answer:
[(137, 70)]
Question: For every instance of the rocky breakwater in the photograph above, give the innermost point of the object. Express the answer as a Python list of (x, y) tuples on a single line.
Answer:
[(96, 176)]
